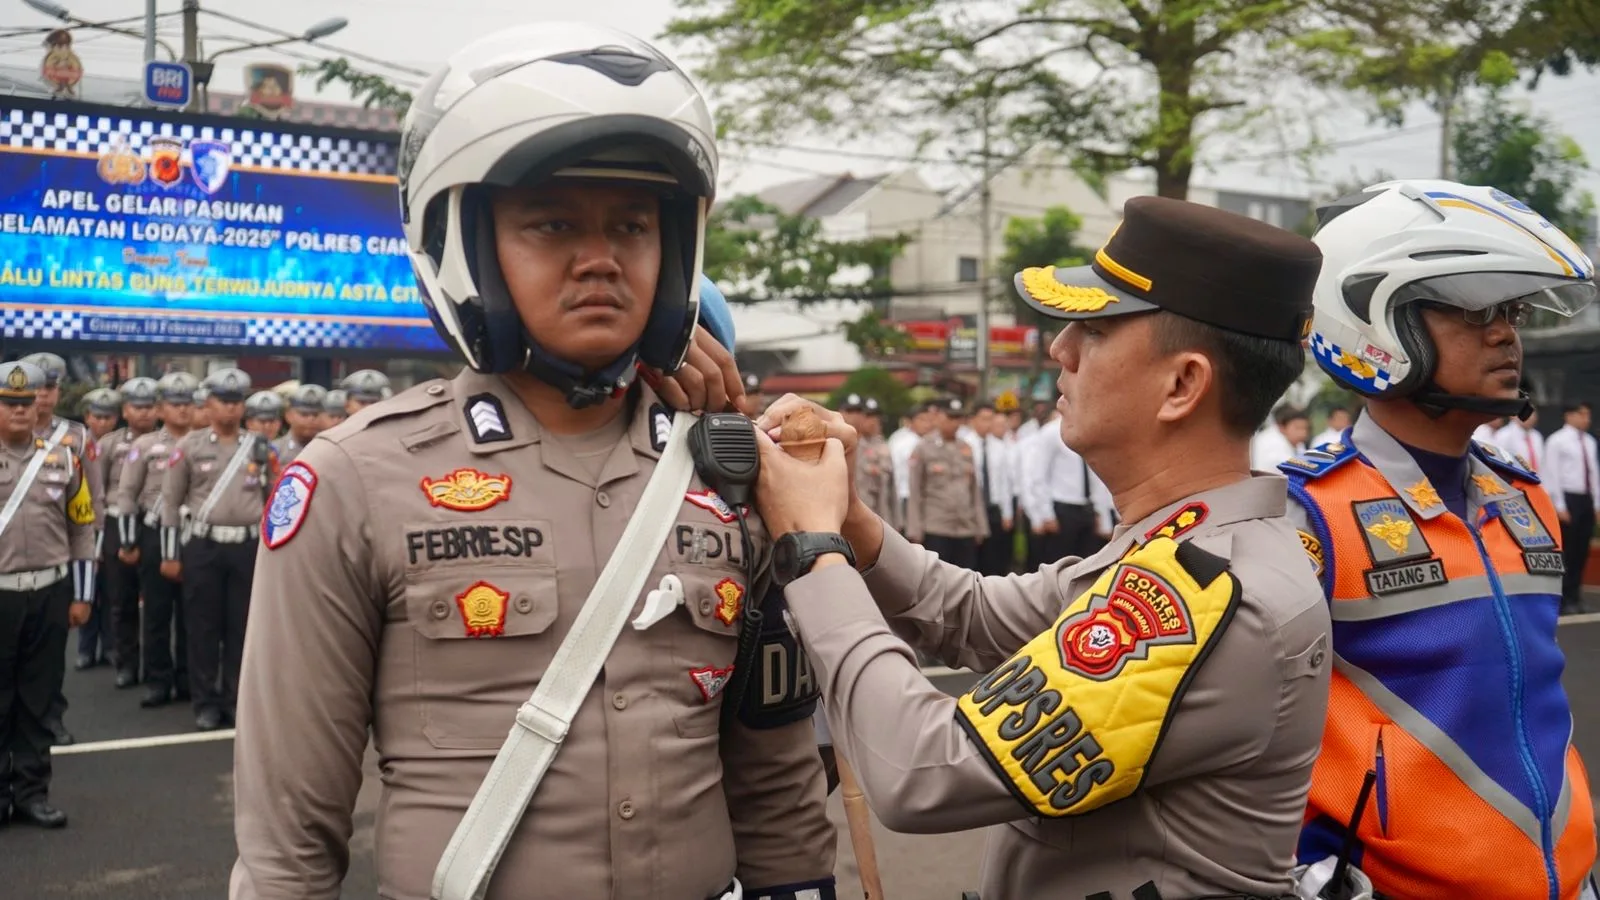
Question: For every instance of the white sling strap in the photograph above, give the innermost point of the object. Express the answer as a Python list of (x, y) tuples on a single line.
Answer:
[(246, 441), (29, 474), (475, 848)]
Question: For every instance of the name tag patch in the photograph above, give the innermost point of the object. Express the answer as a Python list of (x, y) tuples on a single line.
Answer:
[(517, 540), (697, 546), (1399, 579), (1544, 562)]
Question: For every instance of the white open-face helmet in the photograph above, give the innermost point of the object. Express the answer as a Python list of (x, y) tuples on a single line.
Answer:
[(1395, 247), (531, 103)]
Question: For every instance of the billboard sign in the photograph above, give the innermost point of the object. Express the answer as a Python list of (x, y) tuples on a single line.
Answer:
[(132, 226)]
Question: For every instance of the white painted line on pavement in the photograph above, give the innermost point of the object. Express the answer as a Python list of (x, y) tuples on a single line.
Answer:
[(160, 740), (1579, 619)]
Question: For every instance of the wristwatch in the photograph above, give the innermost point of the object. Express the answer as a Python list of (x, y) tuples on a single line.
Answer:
[(796, 552)]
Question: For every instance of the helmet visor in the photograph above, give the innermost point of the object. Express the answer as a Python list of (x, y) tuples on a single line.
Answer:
[(1475, 291)]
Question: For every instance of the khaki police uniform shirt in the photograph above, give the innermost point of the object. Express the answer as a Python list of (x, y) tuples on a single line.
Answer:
[(111, 460), (946, 497), (1220, 809), (52, 525), (78, 440), (288, 449), (875, 479), (430, 503), (144, 474), (195, 468)]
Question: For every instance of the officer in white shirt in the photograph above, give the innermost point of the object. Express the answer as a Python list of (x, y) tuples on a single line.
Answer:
[(1338, 422), (1280, 441), (994, 458), (903, 443), (1068, 506), (1484, 434), (1522, 438), (1572, 476)]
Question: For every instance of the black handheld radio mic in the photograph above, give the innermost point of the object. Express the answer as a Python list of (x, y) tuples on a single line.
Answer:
[(723, 446)]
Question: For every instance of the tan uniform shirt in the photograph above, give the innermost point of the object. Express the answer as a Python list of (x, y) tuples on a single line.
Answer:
[(144, 474), (42, 534), (78, 440), (111, 458), (288, 449), (451, 497), (875, 480), (1220, 809), (197, 465), (946, 498)]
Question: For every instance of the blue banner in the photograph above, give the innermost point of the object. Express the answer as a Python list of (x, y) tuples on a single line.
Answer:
[(202, 236)]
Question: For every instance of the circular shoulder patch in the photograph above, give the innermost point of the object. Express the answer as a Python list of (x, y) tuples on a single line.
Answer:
[(291, 501)]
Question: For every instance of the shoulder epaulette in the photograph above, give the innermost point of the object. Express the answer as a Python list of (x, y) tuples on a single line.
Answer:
[(1319, 462), (1505, 463), (409, 402)]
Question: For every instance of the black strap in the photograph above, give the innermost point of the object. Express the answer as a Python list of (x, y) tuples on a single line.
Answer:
[(1148, 890), (1087, 495)]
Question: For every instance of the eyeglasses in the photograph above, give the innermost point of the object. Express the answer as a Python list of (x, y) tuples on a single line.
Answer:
[(16, 401), (1516, 312)]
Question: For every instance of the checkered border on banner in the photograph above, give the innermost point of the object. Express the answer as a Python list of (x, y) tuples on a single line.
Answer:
[(276, 333), (260, 147)]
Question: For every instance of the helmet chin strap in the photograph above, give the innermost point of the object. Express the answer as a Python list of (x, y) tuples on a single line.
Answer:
[(582, 389), (1435, 402)]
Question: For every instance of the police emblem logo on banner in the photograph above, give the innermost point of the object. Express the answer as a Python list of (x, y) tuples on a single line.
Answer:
[(209, 163), (290, 503), (166, 161)]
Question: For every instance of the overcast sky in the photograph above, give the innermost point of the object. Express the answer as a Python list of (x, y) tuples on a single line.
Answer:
[(418, 34)]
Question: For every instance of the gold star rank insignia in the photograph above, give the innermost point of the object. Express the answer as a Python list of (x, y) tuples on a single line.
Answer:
[(1488, 484), (1424, 495)]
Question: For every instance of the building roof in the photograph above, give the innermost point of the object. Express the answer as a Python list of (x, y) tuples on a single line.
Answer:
[(818, 196)]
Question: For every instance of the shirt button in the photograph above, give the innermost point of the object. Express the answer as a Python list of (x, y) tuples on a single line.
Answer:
[(705, 607), (524, 604), (625, 809), (440, 609), (604, 499), (1316, 657), (619, 701), (436, 390)]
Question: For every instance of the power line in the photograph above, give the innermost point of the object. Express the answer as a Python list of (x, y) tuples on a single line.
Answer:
[(352, 54)]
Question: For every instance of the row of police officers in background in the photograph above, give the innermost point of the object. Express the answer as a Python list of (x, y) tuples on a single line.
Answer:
[(137, 526)]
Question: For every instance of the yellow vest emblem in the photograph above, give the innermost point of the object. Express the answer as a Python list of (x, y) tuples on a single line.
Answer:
[(1071, 721), (80, 509)]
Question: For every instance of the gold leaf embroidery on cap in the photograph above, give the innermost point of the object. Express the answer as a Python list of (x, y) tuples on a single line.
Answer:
[(1042, 286)]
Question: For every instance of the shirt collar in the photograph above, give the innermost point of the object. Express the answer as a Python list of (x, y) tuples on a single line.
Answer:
[(1257, 497)]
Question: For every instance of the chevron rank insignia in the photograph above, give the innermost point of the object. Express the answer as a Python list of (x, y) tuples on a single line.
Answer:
[(486, 419), (1181, 522), (1319, 462), (711, 680), (660, 426)]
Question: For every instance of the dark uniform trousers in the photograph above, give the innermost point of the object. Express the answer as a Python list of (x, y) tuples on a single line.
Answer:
[(95, 636), (957, 551), (118, 598), (33, 648), (216, 596), (1074, 536), (995, 555), (1575, 549), (166, 634)]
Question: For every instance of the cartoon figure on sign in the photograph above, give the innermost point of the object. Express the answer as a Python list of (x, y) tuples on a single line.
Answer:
[(119, 164), (62, 70), (271, 90), (166, 161), (209, 163)]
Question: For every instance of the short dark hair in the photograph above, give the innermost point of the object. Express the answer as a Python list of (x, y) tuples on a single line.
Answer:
[(1283, 415), (1339, 409), (983, 407), (1252, 372), (1571, 408)]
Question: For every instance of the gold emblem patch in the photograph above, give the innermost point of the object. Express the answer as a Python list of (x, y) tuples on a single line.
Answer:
[(467, 490), (1313, 548), (1394, 532), (17, 380), (483, 609), (1042, 286), (730, 600), (1488, 484), (1424, 494)]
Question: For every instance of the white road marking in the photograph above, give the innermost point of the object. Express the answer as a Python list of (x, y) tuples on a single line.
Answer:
[(1579, 619), (140, 743)]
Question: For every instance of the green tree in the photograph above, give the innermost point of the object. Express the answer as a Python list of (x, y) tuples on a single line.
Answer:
[(875, 336), (372, 90), (894, 398), (1503, 144), (1049, 240), (1150, 78), (765, 254), (1557, 36)]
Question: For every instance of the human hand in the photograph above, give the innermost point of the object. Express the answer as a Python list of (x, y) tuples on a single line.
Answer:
[(78, 614), (1005, 525), (1564, 516), (129, 555), (707, 382), (794, 495), (836, 427), (172, 570)]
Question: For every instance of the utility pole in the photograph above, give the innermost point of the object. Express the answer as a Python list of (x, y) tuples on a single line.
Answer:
[(986, 229), (149, 30), (191, 47)]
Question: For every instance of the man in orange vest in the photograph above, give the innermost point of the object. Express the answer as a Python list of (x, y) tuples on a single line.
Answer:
[(1447, 769)]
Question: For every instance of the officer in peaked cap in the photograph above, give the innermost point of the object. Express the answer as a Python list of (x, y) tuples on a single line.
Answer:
[(1184, 331), (221, 474), (46, 585), (304, 417), (263, 414), (202, 412), (100, 408), (945, 511), (103, 402), (874, 468), (138, 502), (364, 388), (333, 410), (119, 581)]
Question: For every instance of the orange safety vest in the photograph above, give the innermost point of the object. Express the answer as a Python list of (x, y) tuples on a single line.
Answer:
[(1447, 681)]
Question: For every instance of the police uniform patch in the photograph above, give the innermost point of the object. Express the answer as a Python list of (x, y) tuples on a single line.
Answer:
[(1181, 522), (483, 609), (1313, 548), (466, 490), (1424, 495), (730, 600), (1488, 485), (711, 680), (1392, 536), (709, 501), (660, 426), (486, 419), (1320, 462), (1540, 552), (80, 509), (1071, 721), (290, 503)]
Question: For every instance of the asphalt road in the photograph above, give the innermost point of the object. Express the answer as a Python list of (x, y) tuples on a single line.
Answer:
[(154, 821)]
